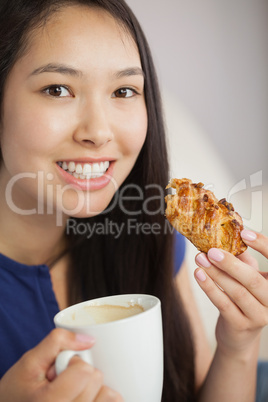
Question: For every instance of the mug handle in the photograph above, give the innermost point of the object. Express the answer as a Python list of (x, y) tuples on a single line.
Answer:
[(65, 356)]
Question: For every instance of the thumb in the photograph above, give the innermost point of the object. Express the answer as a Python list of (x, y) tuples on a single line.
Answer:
[(59, 339)]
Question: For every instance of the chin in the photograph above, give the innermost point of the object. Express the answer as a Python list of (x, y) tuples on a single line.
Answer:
[(88, 209)]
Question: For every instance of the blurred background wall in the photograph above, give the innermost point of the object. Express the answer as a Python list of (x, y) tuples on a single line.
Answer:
[(213, 56), (212, 62)]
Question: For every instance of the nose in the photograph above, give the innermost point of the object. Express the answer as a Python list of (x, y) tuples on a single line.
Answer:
[(93, 128)]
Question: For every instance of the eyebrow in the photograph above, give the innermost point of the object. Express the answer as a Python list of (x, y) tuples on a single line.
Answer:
[(57, 68), (129, 72), (67, 70)]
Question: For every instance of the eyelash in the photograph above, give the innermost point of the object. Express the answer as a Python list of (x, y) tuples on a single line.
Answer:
[(57, 86), (126, 89), (45, 90)]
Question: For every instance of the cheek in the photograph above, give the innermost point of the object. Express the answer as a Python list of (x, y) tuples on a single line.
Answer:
[(28, 120), (136, 131), (30, 129)]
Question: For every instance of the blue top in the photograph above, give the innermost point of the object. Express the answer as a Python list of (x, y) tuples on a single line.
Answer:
[(180, 248), (28, 306)]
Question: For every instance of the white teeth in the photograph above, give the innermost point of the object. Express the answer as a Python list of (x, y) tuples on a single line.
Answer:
[(71, 167), (86, 171), (96, 168), (79, 169)]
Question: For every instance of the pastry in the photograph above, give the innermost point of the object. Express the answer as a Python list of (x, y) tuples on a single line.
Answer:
[(198, 215)]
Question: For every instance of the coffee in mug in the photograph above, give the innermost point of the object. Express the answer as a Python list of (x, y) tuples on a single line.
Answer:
[(100, 314)]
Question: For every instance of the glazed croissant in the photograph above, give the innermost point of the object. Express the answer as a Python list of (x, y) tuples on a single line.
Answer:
[(206, 222)]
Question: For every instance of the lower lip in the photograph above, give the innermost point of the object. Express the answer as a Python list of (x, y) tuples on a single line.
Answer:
[(88, 185)]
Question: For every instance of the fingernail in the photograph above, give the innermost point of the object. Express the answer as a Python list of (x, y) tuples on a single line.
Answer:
[(248, 235), (202, 260), (215, 254), (200, 275), (83, 338)]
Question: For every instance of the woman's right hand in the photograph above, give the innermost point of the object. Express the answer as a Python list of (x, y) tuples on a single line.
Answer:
[(32, 378)]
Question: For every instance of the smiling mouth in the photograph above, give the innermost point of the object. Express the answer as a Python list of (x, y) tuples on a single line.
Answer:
[(85, 171)]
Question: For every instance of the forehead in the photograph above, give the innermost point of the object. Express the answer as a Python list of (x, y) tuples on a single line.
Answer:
[(76, 29)]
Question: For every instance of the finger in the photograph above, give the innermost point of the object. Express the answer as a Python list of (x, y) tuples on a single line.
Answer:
[(226, 307), (51, 373), (238, 294), (247, 258), (247, 276), (255, 240), (59, 339), (107, 394), (80, 382)]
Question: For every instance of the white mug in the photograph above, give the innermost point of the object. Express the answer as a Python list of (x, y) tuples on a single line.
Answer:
[(128, 351)]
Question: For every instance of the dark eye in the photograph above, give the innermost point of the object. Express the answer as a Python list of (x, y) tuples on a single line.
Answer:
[(59, 91), (124, 93)]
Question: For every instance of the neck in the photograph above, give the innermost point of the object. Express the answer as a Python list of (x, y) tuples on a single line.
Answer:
[(30, 239)]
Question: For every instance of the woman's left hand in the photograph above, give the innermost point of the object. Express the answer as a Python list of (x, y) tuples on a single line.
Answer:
[(239, 291)]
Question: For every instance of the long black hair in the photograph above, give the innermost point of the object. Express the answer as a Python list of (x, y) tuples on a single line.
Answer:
[(136, 261)]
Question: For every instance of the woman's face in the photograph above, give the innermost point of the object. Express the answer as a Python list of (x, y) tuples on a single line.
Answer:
[(74, 116)]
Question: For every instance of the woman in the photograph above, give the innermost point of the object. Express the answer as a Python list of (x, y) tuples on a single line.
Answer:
[(83, 146)]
